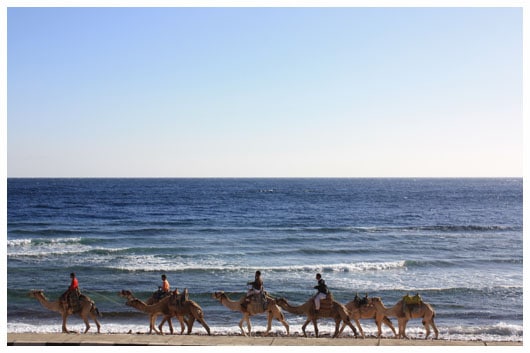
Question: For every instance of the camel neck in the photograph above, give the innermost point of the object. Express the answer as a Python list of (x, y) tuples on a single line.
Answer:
[(54, 306)]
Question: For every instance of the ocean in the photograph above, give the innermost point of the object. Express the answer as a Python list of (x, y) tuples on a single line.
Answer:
[(456, 242)]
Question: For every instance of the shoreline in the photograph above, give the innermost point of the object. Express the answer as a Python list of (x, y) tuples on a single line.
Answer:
[(135, 339)]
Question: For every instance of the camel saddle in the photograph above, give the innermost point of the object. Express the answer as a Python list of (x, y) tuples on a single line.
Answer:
[(160, 294), (411, 304), (73, 299), (326, 304), (358, 301), (179, 298), (258, 301)]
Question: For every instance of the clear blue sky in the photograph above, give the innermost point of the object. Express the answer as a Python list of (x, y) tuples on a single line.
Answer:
[(261, 92)]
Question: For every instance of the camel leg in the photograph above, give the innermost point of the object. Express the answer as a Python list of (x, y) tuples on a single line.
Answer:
[(205, 325), (359, 327), (162, 324), (337, 324), (269, 323), (87, 324), (379, 330), (95, 319), (304, 326), (427, 328), (387, 322), (189, 323), (402, 327), (65, 330), (434, 328), (241, 326), (170, 323), (348, 322), (152, 325), (342, 328), (316, 327), (249, 325), (281, 319)]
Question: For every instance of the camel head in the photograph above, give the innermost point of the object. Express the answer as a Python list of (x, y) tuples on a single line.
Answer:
[(35, 293), (133, 302), (374, 300), (218, 295), (281, 301), (126, 294)]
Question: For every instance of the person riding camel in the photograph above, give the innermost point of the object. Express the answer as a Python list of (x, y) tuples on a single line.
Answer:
[(164, 289), (322, 293), (257, 288), (72, 289)]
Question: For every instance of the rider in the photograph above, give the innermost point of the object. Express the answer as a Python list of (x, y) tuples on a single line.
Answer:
[(257, 288), (322, 291), (164, 289), (73, 288)]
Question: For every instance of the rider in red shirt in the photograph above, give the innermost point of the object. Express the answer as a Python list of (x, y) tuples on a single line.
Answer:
[(75, 284), (74, 288)]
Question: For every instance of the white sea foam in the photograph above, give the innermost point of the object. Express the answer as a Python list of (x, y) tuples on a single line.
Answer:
[(45, 247), (499, 332), (157, 263), (17, 248), (25, 242), (13, 243)]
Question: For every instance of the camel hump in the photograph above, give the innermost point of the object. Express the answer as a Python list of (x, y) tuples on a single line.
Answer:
[(329, 298), (74, 300), (358, 301), (327, 303), (259, 301), (411, 304), (416, 299)]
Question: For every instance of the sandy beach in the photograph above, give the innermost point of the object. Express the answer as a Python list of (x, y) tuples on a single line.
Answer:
[(51, 339)]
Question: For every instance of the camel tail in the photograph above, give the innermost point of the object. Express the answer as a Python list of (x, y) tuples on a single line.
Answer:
[(96, 310)]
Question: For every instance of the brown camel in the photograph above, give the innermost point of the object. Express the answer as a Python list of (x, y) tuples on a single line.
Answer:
[(181, 306), (153, 299), (359, 310), (153, 310), (328, 309), (270, 307), (156, 296), (87, 308), (421, 310), (186, 311)]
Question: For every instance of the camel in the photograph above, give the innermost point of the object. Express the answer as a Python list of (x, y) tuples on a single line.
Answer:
[(358, 310), (185, 308), (153, 310), (87, 308), (273, 311), (329, 309), (187, 311), (422, 310)]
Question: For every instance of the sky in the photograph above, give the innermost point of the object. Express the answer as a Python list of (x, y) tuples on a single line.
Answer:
[(264, 92)]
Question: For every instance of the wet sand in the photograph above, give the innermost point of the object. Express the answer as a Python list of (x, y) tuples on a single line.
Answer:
[(92, 339)]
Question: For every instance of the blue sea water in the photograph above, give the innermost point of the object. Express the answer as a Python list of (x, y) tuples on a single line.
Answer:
[(456, 242)]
